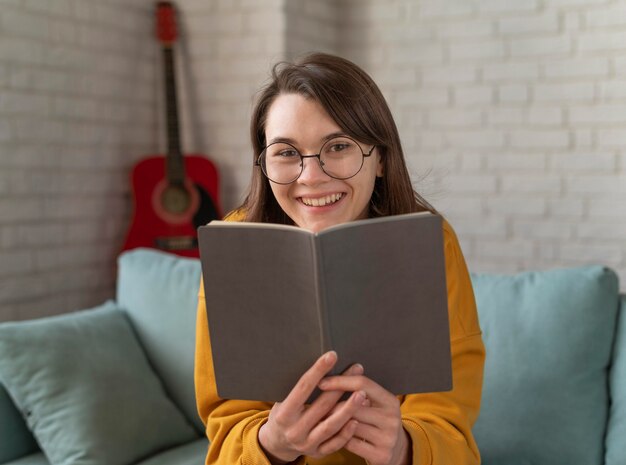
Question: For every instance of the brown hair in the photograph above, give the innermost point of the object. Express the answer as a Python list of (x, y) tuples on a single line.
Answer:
[(355, 103)]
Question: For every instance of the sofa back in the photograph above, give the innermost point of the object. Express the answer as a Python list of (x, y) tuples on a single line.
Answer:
[(159, 291), (549, 338), (616, 430)]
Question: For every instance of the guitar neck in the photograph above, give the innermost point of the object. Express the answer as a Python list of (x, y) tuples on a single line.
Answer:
[(175, 166)]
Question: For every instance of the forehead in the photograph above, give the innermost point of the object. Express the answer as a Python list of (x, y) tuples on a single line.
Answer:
[(299, 118)]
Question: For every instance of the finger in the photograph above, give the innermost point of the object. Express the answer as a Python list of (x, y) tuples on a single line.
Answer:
[(361, 447), (339, 440), (376, 393), (332, 424), (303, 389), (323, 406), (367, 433)]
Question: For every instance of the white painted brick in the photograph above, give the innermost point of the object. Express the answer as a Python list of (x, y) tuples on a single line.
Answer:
[(486, 228), (597, 184), (611, 89), (505, 116), (472, 162), (472, 184), (545, 116), (507, 162), (521, 205), (607, 207), (51, 7), (431, 140), (505, 250), (547, 22), (63, 31), (600, 41), (20, 24), (613, 15), (611, 138), (543, 229), (449, 75), (47, 131), (512, 93), (473, 95), (15, 288), (538, 184), (564, 91), (15, 262), (75, 108), (551, 139), (583, 138), (6, 132), (14, 209), (476, 50), (536, 47), (504, 6), (511, 71), (587, 253), (607, 230), (454, 118), (577, 67), (569, 206), (416, 54), (583, 162), (472, 28), (598, 114), (431, 10), (475, 139), (22, 103), (426, 96)]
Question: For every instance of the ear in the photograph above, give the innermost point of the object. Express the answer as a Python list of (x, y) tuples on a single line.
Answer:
[(379, 166)]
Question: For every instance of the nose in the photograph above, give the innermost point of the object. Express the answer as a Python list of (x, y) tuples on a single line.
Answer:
[(312, 172)]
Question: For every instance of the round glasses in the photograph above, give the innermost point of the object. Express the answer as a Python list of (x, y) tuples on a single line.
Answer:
[(340, 158)]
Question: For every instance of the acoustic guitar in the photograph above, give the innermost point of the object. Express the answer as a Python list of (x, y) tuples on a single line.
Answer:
[(173, 194)]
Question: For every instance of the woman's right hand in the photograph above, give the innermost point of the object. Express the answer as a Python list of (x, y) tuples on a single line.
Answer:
[(294, 429)]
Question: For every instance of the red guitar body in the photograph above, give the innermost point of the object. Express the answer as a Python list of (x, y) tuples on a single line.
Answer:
[(153, 225), (173, 194)]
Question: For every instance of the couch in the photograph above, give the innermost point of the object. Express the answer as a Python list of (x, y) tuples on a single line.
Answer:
[(114, 384)]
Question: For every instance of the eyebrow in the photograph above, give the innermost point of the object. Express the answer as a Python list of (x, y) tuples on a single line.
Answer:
[(289, 140)]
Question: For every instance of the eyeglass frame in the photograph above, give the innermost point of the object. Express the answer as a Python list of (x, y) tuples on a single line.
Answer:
[(318, 155)]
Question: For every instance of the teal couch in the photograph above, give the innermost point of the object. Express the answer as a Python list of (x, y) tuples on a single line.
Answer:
[(114, 385)]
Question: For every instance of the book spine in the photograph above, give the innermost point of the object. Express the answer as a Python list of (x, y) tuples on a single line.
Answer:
[(326, 343)]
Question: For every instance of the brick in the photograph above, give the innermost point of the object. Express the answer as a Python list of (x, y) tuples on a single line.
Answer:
[(547, 22), (607, 207), (477, 50), (513, 93), (13, 209), (544, 46), (15, 262), (425, 96), (614, 15), (564, 91), (611, 89), (14, 288), (507, 162), (543, 229), (475, 139), (568, 206), (545, 116), (538, 184), (428, 10), (456, 205), (416, 54), (509, 249), (598, 114), (449, 75), (583, 138), (472, 184), (600, 41), (589, 253), (577, 67), (482, 227), (543, 139), (505, 6), (473, 95), (454, 118), (20, 24), (510, 71), (472, 28), (611, 138), (597, 184), (505, 116), (583, 162), (522, 206), (23, 103)]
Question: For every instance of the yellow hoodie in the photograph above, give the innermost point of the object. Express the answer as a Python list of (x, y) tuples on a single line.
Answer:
[(439, 424)]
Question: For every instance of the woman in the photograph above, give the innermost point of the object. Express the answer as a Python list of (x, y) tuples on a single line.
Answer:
[(327, 151)]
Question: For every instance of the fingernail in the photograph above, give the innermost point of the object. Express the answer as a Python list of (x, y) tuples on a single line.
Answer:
[(357, 369), (330, 356), (359, 397)]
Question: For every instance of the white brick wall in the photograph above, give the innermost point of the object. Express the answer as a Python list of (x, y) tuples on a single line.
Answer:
[(526, 153), (511, 112), (77, 105)]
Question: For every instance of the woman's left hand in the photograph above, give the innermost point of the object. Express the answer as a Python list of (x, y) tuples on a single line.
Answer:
[(379, 438)]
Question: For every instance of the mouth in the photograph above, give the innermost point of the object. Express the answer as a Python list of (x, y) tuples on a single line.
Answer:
[(322, 201)]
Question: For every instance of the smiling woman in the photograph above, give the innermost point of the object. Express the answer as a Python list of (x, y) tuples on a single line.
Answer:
[(326, 152)]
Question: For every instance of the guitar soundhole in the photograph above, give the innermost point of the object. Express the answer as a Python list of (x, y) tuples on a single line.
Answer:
[(175, 200)]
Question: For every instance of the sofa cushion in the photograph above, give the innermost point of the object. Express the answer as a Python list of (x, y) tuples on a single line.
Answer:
[(86, 389), (160, 292), (548, 337), (32, 459), (616, 433), (193, 453), (17, 440)]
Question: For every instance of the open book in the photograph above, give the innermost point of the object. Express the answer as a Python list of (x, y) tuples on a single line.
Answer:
[(278, 297)]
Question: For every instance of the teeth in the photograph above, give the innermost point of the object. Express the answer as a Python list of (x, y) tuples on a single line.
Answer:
[(322, 201)]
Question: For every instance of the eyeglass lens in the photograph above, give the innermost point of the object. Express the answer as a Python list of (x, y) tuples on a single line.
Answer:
[(340, 158)]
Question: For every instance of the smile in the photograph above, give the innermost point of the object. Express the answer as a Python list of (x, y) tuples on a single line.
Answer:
[(321, 201)]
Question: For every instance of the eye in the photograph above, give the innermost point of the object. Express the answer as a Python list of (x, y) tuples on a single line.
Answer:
[(339, 146), (287, 153)]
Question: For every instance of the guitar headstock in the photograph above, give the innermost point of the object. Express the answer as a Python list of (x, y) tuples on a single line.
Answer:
[(165, 22)]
